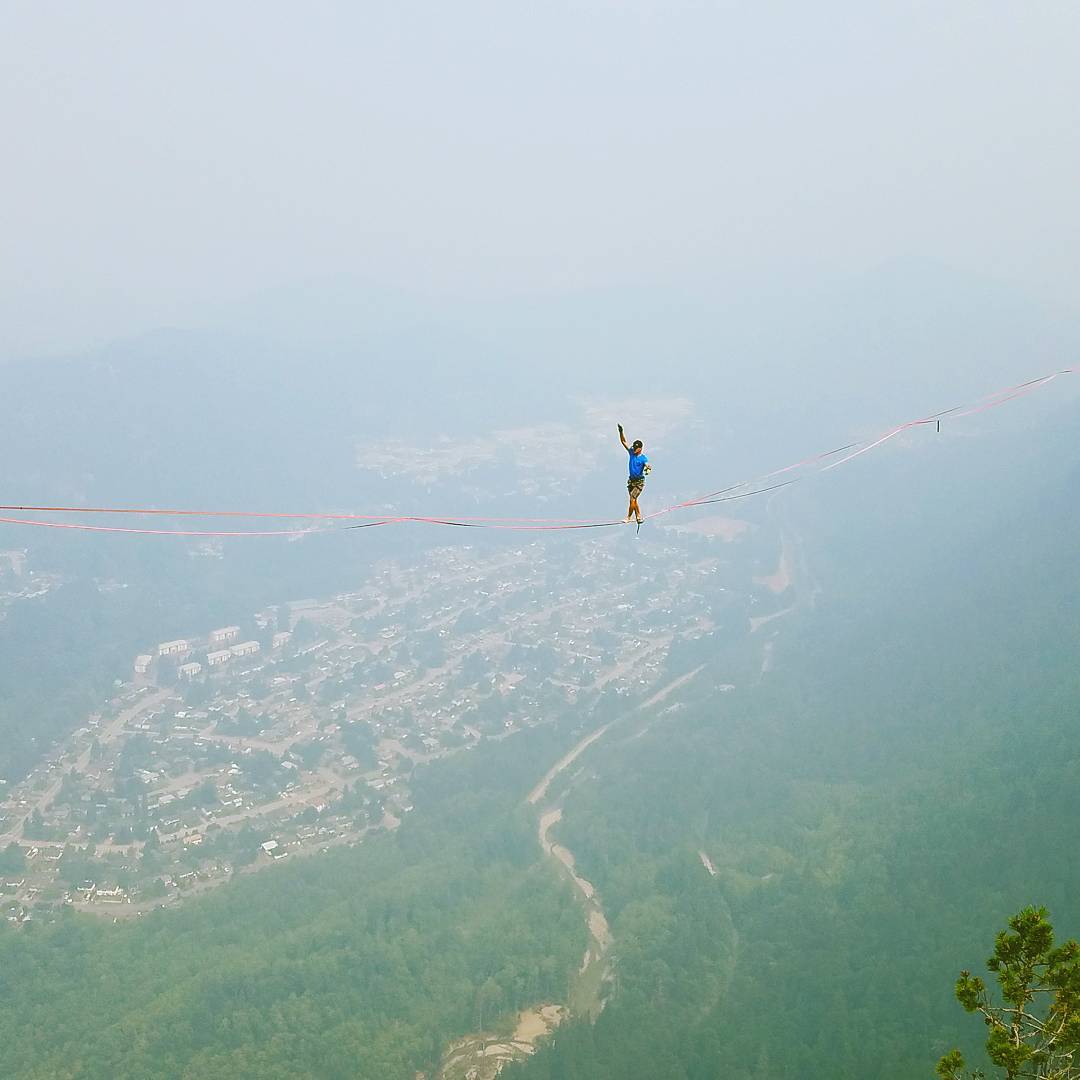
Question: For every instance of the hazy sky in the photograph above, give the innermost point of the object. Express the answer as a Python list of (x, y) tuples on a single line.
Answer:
[(161, 161)]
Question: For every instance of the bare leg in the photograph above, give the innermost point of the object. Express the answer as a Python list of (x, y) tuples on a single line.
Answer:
[(634, 508)]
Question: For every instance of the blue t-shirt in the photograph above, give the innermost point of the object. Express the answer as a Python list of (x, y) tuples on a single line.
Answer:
[(637, 465)]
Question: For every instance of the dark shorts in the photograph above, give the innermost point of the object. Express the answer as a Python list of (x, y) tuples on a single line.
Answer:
[(635, 485)]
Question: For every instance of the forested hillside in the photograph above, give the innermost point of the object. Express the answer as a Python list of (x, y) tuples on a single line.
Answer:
[(900, 783), (355, 963), (793, 870)]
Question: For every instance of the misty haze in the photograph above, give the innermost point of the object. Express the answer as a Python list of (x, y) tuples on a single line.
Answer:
[(539, 541)]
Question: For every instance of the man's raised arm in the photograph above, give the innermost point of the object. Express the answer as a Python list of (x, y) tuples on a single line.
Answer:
[(622, 438)]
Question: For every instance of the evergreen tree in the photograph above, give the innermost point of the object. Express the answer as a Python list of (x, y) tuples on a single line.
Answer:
[(1035, 1033)]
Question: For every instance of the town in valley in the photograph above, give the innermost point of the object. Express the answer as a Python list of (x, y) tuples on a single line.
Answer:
[(237, 747)]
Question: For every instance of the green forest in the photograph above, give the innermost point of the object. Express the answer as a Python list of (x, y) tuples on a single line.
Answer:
[(794, 871), (902, 783), (359, 962)]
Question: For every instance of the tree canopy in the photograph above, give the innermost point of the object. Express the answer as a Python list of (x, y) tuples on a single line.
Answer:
[(1034, 1033)]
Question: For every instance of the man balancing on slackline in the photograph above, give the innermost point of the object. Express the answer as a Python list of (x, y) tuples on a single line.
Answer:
[(639, 469)]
